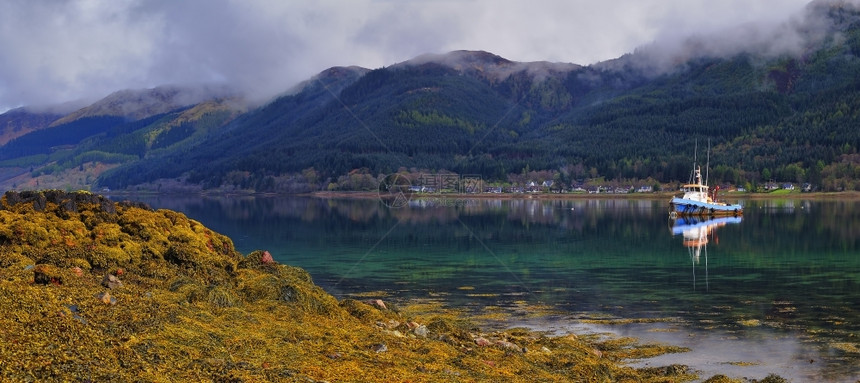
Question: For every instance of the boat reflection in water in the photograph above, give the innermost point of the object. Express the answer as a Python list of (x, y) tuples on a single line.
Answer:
[(697, 232)]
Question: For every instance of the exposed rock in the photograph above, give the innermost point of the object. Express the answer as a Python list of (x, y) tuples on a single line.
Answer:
[(509, 346), (421, 331), (111, 281), (267, 258), (45, 274), (77, 271), (482, 342), (379, 347), (39, 203), (106, 298), (378, 303)]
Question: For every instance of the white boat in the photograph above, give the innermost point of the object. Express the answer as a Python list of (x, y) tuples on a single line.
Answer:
[(698, 200)]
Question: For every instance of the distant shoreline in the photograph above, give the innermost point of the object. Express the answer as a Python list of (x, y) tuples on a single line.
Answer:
[(849, 195), (845, 195)]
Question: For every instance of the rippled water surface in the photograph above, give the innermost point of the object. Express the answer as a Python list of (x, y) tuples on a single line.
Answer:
[(776, 291)]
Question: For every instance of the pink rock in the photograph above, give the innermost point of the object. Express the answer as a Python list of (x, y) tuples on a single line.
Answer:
[(482, 342), (378, 303), (267, 258), (78, 272)]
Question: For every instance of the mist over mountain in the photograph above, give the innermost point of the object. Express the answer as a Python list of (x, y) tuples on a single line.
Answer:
[(141, 103), (777, 102), (802, 33)]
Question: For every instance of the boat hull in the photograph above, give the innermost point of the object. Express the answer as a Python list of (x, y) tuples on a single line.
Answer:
[(686, 207)]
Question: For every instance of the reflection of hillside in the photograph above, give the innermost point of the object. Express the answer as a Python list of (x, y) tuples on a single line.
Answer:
[(832, 222), (502, 221), (511, 220)]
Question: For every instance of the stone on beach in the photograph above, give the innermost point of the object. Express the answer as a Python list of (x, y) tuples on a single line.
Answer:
[(509, 346), (44, 274), (421, 331), (106, 298), (378, 303), (111, 281), (267, 258)]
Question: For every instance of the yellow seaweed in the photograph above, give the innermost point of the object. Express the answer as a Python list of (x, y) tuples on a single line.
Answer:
[(191, 308)]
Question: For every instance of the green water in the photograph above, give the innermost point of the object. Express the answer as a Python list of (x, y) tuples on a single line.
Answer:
[(778, 290)]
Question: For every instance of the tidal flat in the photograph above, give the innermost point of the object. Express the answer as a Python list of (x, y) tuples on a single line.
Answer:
[(94, 290)]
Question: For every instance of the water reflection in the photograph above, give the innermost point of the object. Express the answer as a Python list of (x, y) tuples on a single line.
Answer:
[(696, 233)]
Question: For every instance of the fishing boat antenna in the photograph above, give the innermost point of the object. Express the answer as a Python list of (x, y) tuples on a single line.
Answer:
[(695, 160), (708, 163)]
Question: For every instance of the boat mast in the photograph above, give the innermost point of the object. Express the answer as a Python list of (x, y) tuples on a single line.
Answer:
[(708, 163), (695, 159)]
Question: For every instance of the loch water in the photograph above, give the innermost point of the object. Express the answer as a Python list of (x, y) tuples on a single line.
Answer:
[(776, 291)]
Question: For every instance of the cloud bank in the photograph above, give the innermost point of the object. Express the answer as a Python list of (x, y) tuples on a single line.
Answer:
[(58, 51)]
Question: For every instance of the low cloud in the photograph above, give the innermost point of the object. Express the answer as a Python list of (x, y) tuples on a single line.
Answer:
[(768, 37), (56, 52)]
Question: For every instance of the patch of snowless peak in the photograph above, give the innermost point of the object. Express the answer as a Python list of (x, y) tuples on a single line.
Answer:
[(335, 78), (136, 104), (490, 66)]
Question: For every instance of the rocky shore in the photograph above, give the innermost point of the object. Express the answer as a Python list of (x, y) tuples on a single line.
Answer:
[(93, 290)]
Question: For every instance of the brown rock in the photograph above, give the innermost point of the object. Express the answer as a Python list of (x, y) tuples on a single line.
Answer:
[(111, 281), (106, 298), (44, 274)]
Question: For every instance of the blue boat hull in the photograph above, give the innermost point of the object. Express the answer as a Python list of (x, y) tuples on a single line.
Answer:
[(686, 207)]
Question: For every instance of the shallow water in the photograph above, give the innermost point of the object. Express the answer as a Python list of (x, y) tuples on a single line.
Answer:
[(777, 291)]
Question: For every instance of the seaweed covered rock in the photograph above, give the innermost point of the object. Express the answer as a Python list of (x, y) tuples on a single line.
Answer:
[(85, 230), (267, 280), (99, 291)]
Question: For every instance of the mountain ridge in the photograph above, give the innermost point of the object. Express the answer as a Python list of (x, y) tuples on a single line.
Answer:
[(783, 116)]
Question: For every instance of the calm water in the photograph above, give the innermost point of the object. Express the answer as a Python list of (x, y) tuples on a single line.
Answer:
[(779, 289)]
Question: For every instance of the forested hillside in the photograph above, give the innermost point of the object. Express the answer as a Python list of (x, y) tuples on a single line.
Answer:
[(785, 117)]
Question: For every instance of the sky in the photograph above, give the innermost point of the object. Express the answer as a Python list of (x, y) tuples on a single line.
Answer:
[(54, 51)]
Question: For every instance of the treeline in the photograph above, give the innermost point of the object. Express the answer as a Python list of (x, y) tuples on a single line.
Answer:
[(754, 119), (430, 118)]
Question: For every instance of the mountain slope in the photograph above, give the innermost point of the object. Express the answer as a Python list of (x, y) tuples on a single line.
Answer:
[(770, 112), (21, 121), (122, 128)]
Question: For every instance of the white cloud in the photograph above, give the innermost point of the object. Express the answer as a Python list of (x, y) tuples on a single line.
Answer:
[(55, 51)]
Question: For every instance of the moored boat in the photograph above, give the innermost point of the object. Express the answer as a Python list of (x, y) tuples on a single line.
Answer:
[(698, 201)]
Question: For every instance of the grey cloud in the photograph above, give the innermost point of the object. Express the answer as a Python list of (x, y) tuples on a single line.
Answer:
[(60, 51)]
